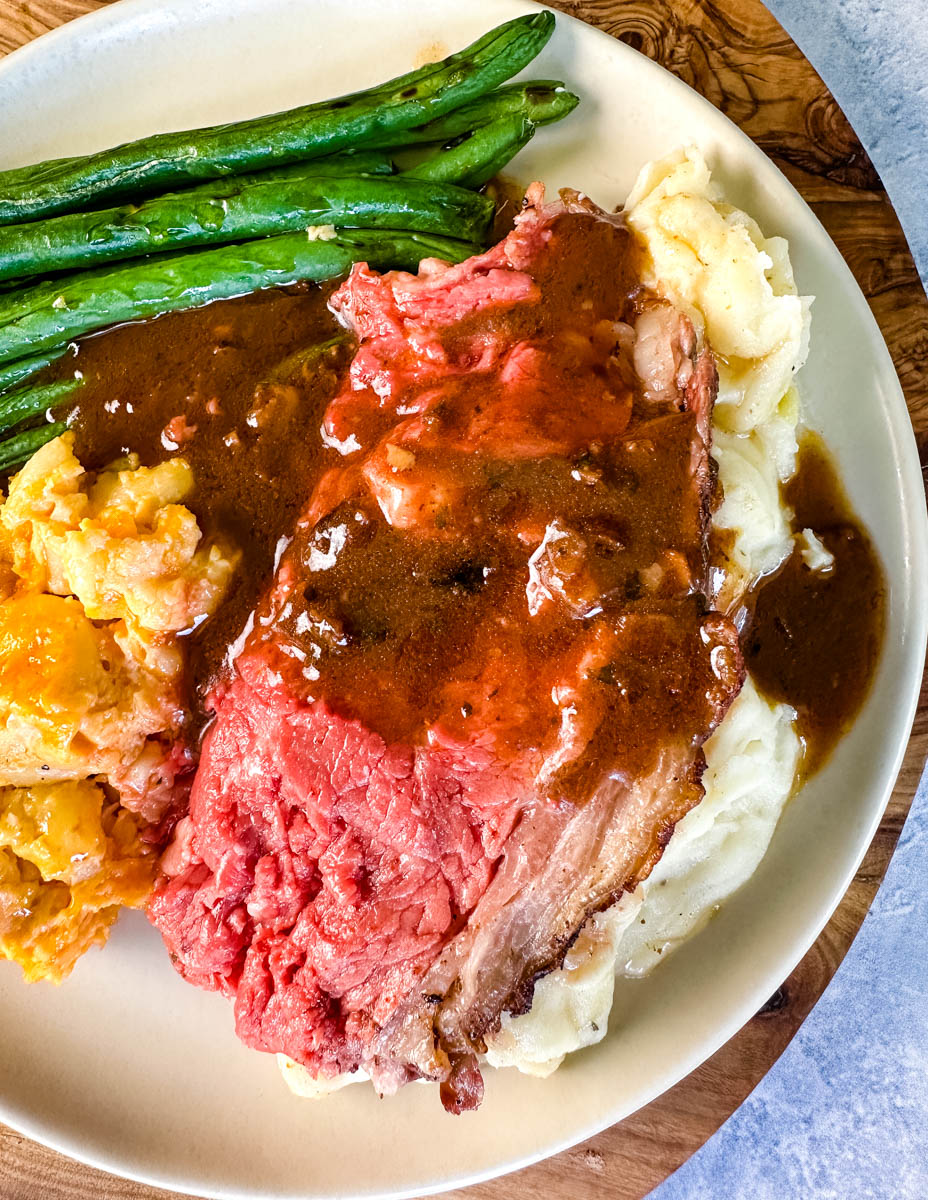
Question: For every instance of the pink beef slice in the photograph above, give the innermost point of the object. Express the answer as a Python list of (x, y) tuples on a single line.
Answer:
[(472, 704)]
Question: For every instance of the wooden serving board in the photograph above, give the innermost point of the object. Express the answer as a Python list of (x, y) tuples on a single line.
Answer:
[(735, 54)]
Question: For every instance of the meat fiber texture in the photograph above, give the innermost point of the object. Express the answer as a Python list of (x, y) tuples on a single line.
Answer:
[(380, 903)]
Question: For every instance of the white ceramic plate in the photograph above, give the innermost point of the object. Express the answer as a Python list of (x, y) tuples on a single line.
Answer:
[(130, 1069)]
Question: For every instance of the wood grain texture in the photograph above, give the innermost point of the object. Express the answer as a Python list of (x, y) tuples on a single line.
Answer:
[(734, 53)]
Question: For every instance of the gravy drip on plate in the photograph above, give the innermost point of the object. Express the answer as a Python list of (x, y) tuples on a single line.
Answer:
[(815, 636), (212, 385)]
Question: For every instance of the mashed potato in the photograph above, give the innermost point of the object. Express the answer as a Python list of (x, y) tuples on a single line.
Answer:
[(751, 762), (570, 1008), (713, 262), (98, 575), (736, 285)]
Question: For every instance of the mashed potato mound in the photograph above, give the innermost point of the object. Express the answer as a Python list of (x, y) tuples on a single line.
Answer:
[(736, 285), (713, 262), (98, 575), (570, 1008), (751, 762)]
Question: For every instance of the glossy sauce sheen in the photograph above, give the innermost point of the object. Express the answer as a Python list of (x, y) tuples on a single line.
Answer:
[(227, 370), (814, 637), (512, 556)]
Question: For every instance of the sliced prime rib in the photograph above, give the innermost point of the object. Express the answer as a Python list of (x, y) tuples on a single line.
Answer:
[(470, 710)]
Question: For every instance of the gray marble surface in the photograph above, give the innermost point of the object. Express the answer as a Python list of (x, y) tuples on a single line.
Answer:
[(873, 55), (843, 1114)]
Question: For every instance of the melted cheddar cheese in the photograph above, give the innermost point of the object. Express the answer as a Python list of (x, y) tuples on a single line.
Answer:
[(99, 573)]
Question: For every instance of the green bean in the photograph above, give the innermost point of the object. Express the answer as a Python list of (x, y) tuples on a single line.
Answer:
[(540, 101), (20, 370), (26, 402), (233, 210), (371, 161), (169, 160), (49, 314), (304, 360), (16, 450), (471, 161)]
